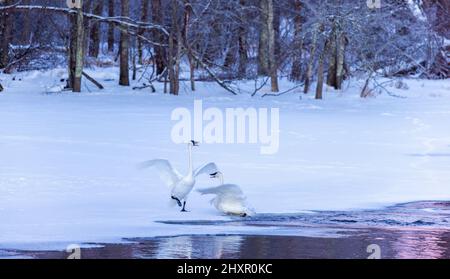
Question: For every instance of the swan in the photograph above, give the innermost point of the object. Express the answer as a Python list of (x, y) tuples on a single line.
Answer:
[(229, 198), (179, 186)]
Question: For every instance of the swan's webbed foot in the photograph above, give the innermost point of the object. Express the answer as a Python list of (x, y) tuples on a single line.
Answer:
[(178, 201), (184, 207)]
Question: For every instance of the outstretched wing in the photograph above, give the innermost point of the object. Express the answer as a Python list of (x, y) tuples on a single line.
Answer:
[(226, 189), (208, 168), (167, 173)]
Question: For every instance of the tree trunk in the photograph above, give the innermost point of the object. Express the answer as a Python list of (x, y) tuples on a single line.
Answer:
[(263, 49), (144, 18), (312, 54), (332, 65), (94, 46), (5, 35), (124, 45), (187, 17), (26, 29), (79, 52), (87, 8), (230, 57), (72, 49), (319, 89), (175, 38), (160, 54), (340, 60), (337, 57), (171, 62), (273, 63), (111, 13), (242, 41), (296, 72)]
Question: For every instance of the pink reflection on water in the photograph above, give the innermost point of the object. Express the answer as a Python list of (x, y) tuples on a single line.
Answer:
[(420, 244)]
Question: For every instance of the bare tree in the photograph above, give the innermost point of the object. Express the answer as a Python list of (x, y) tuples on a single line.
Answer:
[(319, 88), (263, 49), (312, 54), (94, 46), (111, 13), (160, 52), (187, 17), (144, 18), (5, 35), (175, 48), (273, 64), (124, 47), (296, 71), (79, 49), (26, 27), (242, 40)]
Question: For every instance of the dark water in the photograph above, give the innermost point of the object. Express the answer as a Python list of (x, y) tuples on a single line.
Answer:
[(413, 230)]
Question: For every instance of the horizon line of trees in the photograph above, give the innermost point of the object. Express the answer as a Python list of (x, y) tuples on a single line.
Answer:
[(224, 41)]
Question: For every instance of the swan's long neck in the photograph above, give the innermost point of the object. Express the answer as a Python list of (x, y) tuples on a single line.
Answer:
[(191, 171)]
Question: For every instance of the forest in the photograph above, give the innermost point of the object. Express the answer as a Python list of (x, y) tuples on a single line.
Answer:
[(227, 41)]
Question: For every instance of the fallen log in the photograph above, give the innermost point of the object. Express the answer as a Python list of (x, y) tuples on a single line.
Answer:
[(145, 86), (91, 79)]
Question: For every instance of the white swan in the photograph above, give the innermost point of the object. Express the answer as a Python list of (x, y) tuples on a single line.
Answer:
[(179, 186), (229, 198)]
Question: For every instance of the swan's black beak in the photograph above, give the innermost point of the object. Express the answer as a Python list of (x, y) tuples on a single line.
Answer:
[(217, 174), (195, 143)]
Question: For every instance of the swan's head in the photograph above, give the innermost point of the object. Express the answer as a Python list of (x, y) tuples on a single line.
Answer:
[(217, 175), (194, 143)]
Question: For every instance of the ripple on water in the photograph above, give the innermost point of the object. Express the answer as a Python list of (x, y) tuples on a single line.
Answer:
[(426, 214)]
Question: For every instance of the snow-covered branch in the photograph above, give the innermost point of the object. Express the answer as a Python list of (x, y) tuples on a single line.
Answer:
[(125, 22)]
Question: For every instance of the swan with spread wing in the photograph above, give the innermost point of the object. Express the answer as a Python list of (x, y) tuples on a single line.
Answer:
[(180, 186), (229, 198)]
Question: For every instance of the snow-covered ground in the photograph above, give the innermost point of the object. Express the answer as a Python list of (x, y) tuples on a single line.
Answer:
[(68, 161)]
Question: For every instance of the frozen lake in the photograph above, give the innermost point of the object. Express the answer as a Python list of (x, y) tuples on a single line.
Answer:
[(413, 230)]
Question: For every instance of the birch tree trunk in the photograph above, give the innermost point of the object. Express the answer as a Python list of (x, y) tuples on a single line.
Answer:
[(124, 45)]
